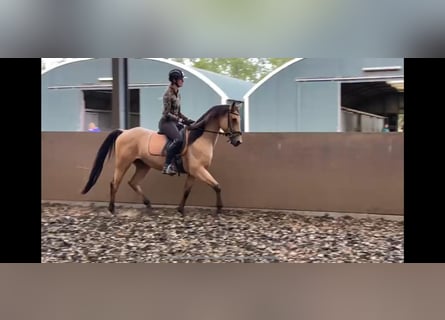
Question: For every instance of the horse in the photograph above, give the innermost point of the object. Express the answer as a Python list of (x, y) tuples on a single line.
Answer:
[(146, 149)]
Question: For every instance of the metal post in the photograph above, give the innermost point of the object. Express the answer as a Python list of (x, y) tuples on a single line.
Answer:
[(120, 96)]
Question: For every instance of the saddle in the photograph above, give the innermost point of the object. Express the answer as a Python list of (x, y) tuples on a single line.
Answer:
[(158, 142)]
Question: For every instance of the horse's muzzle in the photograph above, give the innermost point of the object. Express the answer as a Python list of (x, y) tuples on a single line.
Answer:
[(235, 139)]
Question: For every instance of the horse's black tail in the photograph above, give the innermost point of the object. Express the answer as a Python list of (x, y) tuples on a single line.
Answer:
[(106, 148)]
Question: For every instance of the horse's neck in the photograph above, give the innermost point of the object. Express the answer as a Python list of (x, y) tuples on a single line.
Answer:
[(210, 136)]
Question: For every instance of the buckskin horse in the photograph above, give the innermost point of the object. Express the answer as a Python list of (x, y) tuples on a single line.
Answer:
[(145, 149)]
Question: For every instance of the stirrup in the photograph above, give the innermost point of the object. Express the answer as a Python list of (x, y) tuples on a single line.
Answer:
[(171, 170), (165, 169)]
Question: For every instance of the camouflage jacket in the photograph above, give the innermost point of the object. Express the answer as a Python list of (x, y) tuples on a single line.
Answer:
[(172, 104)]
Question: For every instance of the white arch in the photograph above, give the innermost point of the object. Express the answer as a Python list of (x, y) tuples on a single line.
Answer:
[(196, 73), (65, 62), (259, 84)]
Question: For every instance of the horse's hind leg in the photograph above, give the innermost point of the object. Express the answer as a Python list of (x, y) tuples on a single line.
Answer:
[(119, 172), (203, 175), (140, 173), (187, 188)]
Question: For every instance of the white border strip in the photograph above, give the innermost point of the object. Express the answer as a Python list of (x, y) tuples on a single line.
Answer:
[(373, 69), (127, 205)]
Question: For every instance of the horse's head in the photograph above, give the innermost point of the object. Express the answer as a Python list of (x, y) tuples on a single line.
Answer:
[(231, 125)]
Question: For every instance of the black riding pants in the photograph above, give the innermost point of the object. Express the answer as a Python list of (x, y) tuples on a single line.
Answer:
[(171, 130)]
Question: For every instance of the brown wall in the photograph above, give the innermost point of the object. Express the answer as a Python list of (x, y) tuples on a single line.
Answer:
[(336, 172)]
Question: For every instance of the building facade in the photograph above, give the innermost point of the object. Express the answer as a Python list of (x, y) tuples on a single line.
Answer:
[(327, 95), (79, 92)]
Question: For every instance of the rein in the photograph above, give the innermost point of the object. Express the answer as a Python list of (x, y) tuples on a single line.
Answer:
[(217, 132), (229, 133)]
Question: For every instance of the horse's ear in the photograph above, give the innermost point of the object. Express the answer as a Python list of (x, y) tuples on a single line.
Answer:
[(232, 107)]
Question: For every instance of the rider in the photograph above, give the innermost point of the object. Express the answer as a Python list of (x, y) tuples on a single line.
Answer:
[(172, 119)]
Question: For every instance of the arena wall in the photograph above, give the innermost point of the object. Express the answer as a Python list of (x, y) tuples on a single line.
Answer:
[(328, 172)]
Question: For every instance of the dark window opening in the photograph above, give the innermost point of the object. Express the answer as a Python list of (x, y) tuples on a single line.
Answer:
[(378, 98), (98, 109)]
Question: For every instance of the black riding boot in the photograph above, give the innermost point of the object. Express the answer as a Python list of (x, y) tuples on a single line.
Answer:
[(167, 169), (172, 150)]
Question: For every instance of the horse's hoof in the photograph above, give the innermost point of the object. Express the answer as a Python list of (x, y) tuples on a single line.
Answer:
[(147, 204), (181, 211)]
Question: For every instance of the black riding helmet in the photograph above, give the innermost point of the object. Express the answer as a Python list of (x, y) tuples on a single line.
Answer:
[(175, 75)]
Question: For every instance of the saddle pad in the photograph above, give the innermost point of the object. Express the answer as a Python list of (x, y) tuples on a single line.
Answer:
[(156, 144)]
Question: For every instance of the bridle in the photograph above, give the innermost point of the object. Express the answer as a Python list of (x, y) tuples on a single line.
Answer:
[(229, 133)]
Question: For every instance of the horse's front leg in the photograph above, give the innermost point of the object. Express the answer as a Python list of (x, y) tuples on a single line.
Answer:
[(187, 188), (203, 175)]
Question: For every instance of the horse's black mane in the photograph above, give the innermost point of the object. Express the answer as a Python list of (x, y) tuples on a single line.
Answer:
[(197, 128)]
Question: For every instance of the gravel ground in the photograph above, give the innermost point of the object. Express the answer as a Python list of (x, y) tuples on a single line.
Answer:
[(74, 233)]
